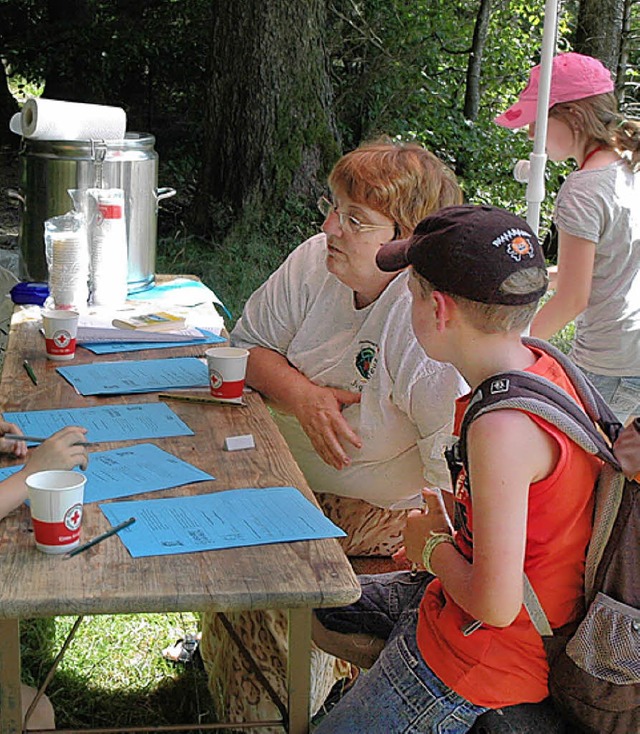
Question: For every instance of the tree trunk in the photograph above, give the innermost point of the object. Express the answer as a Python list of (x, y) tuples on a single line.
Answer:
[(8, 107), (599, 30), (623, 59), (267, 127), (472, 93)]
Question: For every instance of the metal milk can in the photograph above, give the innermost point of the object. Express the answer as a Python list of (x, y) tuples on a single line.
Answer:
[(51, 167)]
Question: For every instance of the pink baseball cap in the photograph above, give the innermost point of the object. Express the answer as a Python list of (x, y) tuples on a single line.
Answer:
[(573, 76)]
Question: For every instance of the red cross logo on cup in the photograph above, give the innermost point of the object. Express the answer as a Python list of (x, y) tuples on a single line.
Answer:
[(61, 338), (215, 378), (73, 517)]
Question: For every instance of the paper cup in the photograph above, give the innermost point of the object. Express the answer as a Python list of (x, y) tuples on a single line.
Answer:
[(60, 331), (227, 369), (55, 499)]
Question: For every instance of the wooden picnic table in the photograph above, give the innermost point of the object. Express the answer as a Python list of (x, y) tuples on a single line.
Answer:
[(105, 580)]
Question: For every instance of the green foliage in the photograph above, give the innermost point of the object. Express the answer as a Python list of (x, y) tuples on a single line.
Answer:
[(414, 87), (253, 248)]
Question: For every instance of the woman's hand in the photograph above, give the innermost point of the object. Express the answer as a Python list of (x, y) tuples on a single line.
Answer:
[(60, 451), (421, 523), (17, 448), (320, 415)]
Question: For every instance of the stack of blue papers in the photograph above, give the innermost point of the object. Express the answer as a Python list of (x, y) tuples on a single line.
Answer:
[(114, 347), (147, 375)]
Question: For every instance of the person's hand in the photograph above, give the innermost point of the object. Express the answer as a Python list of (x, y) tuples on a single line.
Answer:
[(320, 415), (7, 446), (401, 560), (60, 451), (421, 523)]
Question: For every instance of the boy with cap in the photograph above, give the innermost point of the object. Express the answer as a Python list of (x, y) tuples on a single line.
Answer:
[(458, 640)]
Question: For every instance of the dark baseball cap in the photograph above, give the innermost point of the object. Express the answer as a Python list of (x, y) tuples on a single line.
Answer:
[(470, 251)]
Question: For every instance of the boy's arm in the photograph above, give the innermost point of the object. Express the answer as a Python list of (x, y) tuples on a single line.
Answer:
[(507, 453), (13, 492), (572, 285), (61, 451)]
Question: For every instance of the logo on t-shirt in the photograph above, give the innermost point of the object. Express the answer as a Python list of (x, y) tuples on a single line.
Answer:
[(367, 359)]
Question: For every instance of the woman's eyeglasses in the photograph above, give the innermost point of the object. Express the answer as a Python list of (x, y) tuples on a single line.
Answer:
[(348, 222)]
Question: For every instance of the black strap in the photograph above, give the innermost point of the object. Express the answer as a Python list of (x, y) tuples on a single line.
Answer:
[(534, 394), (595, 405)]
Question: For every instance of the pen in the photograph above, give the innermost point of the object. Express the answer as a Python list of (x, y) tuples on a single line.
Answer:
[(30, 372), (37, 439), (100, 538), (201, 399)]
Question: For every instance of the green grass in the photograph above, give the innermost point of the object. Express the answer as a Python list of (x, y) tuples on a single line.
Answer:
[(113, 673), (244, 259)]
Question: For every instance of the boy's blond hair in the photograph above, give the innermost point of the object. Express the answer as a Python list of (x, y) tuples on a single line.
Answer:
[(492, 318)]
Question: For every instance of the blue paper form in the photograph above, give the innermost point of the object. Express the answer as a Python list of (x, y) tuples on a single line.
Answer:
[(229, 519), (131, 470), (136, 469), (147, 375), (114, 347), (105, 422)]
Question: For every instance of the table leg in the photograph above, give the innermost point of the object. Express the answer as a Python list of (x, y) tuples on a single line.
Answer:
[(10, 697), (299, 683)]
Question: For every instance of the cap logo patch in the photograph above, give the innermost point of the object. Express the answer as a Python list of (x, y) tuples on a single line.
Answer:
[(517, 243)]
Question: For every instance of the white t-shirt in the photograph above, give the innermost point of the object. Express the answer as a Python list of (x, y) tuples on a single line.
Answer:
[(405, 415), (602, 205)]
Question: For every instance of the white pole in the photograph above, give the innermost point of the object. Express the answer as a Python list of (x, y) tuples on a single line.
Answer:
[(538, 158)]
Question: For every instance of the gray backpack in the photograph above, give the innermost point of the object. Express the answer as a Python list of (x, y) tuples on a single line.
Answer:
[(594, 667)]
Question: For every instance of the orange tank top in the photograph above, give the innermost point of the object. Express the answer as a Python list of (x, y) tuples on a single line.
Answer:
[(497, 667)]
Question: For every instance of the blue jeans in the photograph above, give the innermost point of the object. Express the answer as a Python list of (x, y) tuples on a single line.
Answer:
[(400, 694), (622, 394)]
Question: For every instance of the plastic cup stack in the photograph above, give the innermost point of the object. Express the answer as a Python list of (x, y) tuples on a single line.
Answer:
[(108, 249), (68, 271)]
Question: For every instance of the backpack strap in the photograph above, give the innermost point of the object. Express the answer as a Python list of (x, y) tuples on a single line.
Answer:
[(536, 395), (595, 406), (534, 609)]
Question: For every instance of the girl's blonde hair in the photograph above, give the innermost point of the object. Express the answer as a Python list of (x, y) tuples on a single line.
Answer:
[(403, 181), (598, 118)]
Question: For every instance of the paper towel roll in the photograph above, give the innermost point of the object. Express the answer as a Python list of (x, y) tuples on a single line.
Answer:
[(52, 119), (15, 123)]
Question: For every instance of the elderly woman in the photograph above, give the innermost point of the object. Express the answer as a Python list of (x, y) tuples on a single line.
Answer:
[(365, 413)]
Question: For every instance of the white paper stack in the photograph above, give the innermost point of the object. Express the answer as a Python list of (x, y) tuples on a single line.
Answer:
[(53, 119)]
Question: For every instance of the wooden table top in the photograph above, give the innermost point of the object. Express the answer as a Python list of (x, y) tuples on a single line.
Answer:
[(105, 579)]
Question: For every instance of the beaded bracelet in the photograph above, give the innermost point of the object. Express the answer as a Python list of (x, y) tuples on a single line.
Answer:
[(433, 541)]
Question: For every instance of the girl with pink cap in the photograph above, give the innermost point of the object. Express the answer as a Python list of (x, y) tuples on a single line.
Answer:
[(597, 213)]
